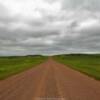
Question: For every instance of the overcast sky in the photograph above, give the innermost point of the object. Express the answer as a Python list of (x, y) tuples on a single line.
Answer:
[(49, 26)]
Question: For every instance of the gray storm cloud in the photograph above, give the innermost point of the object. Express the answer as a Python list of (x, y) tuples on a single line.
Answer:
[(49, 26)]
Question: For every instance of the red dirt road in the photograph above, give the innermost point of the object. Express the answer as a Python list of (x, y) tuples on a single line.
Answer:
[(50, 81)]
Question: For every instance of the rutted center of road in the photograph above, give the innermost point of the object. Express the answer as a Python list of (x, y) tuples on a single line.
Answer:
[(48, 85)]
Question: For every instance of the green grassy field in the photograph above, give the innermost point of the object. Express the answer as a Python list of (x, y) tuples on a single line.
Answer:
[(14, 65), (88, 64)]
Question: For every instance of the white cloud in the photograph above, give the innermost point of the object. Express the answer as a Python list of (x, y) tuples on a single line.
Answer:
[(19, 26), (30, 9), (89, 23)]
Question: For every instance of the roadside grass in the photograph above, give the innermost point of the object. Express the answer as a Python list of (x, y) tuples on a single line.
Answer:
[(13, 65), (88, 64)]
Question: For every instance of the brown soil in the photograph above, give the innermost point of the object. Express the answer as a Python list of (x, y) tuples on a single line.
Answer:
[(50, 81)]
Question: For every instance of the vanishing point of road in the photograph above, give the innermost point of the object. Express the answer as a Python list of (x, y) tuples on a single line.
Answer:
[(50, 81)]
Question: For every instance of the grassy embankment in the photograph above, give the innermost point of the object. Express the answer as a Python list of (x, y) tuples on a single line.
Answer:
[(88, 64), (13, 65)]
